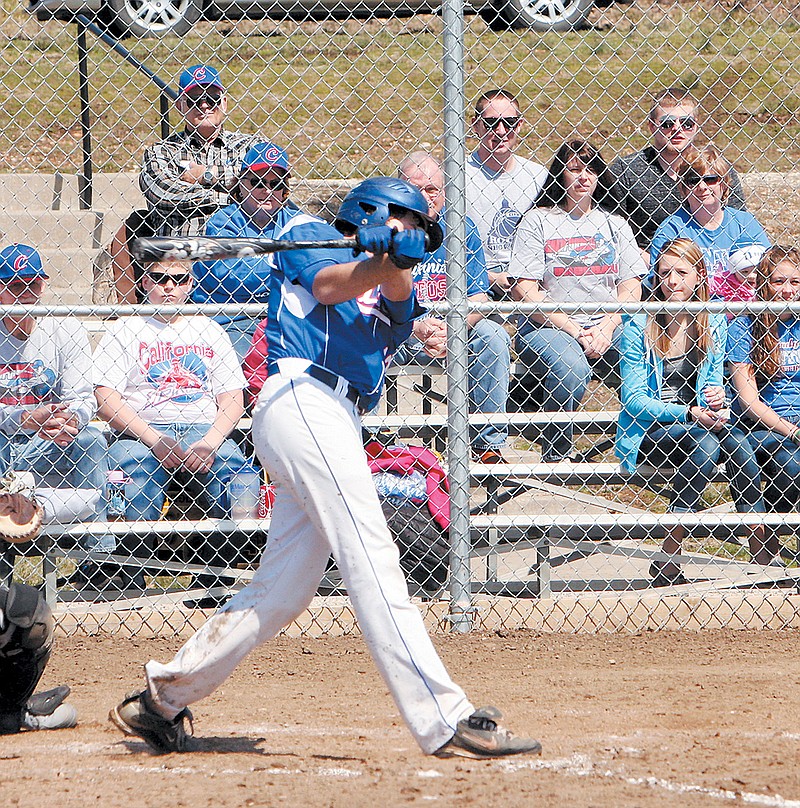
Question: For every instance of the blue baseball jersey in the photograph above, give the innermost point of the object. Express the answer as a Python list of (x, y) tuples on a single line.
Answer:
[(238, 280), (352, 339), (430, 276)]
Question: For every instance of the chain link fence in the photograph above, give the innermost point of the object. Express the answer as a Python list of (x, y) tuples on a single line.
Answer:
[(624, 464)]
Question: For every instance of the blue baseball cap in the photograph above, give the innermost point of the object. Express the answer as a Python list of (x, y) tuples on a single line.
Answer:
[(19, 261), (264, 156), (200, 76)]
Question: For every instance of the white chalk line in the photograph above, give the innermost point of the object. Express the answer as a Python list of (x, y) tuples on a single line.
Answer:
[(583, 766)]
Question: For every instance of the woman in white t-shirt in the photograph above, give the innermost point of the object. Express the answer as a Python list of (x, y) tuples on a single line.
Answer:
[(572, 247)]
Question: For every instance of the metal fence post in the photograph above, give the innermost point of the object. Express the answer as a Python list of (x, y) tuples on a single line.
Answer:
[(85, 177), (457, 409)]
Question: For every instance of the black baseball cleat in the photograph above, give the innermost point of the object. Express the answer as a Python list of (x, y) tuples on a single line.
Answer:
[(481, 736), (135, 715)]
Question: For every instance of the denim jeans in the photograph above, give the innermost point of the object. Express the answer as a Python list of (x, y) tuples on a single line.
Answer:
[(779, 458), (147, 479), (694, 453), (79, 464), (489, 371), (556, 358)]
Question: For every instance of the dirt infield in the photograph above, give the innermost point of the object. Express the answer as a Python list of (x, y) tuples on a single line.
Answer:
[(681, 719)]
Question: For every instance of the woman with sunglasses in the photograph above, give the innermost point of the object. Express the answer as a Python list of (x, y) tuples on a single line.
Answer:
[(764, 361), (673, 403), (572, 248), (262, 210), (704, 180)]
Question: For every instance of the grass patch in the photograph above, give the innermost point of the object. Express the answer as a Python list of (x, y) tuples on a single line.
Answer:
[(353, 97)]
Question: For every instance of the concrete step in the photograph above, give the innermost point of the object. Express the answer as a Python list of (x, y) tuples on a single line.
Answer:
[(117, 191), (71, 276), (68, 229), (62, 228)]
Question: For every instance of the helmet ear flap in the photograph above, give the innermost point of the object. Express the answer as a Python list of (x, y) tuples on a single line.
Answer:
[(435, 236)]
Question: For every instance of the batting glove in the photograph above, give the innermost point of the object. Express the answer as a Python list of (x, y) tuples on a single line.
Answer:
[(408, 248), (376, 239)]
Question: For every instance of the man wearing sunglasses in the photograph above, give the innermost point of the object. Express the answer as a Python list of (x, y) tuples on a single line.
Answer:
[(186, 177), (500, 185), (46, 400), (648, 179), (171, 390), (262, 210)]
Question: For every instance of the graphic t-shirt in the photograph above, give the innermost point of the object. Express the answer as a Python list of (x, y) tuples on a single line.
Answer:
[(168, 372), (576, 259), (738, 227), (496, 202), (52, 366), (783, 392), (430, 275)]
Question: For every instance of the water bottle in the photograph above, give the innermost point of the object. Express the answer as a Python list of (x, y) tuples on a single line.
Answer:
[(115, 496), (408, 487), (244, 492)]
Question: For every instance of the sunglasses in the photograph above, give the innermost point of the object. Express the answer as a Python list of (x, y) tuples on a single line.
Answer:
[(668, 123), (196, 101), (509, 123), (277, 184), (163, 278), (691, 180)]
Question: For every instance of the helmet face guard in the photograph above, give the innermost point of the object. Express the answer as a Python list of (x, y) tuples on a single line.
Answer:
[(374, 201)]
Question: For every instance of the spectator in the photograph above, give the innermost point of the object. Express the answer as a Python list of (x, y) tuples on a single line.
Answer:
[(765, 374), (704, 179), (647, 180), (489, 343), (571, 248), (500, 185), (171, 389), (736, 283), (673, 403), (262, 210), (46, 399), (185, 178)]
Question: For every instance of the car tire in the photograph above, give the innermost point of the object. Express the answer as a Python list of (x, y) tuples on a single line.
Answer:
[(538, 15), (146, 18)]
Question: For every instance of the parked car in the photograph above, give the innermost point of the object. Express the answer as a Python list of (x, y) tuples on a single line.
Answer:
[(161, 17)]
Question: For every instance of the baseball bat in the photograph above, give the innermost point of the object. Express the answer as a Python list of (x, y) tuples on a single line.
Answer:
[(207, 248)]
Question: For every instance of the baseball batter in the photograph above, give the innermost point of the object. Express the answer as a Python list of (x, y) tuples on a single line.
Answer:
[(333, 323)]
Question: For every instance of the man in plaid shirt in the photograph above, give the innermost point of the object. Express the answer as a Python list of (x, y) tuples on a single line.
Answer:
[(187, 177)]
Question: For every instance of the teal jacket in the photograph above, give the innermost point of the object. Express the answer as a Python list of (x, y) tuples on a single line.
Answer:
[(642, 373)]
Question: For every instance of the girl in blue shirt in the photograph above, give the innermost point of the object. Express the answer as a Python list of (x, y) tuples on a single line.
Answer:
[(673, 402), (764, 357)]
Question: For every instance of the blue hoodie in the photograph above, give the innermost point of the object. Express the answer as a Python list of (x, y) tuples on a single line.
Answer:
[(642, 373)]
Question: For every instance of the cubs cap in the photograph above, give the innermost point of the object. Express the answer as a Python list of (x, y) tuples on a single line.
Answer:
[(743, 258), (200, 76), (19, 261), (264, 156)]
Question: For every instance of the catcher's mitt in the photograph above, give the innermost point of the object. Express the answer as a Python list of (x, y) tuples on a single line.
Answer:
[(21, 518)]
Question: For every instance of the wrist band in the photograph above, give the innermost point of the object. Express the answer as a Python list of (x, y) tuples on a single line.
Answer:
[(689, 415), (795, 437)]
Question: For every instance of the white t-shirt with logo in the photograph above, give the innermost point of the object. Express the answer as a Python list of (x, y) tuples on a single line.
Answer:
[(576, 259), (168, 372), (496, 202)]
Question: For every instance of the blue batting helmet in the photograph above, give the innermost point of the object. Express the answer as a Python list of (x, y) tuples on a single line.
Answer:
[(374, 200)]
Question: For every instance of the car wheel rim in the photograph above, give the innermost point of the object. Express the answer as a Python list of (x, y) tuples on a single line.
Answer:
[(549, 11), (157, 15)]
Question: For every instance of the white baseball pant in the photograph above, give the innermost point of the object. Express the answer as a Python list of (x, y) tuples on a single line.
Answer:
[(309, 440)]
